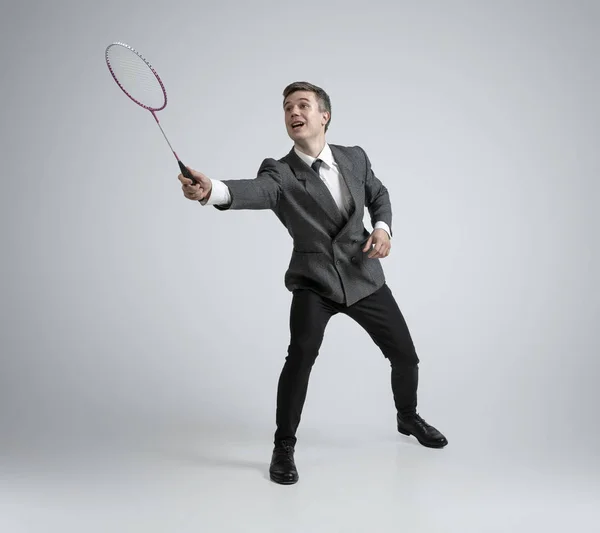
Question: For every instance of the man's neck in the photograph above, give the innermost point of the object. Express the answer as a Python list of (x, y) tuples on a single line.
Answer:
[(311, 147)]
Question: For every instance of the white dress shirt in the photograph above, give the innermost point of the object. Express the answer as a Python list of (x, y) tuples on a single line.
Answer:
[(329, 172)]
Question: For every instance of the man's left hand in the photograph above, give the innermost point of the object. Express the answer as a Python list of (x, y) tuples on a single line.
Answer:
[(380, 240)]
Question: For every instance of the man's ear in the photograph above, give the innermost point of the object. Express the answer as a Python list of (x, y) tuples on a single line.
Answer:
[(326, 117)]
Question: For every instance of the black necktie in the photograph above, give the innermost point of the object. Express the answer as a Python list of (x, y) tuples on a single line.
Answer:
[(316, 165)]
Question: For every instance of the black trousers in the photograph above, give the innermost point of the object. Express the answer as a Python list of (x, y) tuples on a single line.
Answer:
[(379, 315)]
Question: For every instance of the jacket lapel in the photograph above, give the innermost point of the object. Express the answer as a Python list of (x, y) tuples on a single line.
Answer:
[(347, 170), (314, 187)]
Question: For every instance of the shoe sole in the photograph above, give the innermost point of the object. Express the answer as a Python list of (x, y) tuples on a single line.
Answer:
[(426, 444), (280, 481)]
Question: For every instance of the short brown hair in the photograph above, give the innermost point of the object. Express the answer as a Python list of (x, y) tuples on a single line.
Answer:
[(322, 97)]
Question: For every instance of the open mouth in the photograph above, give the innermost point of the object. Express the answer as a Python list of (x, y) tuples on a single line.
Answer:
[(297, 125)]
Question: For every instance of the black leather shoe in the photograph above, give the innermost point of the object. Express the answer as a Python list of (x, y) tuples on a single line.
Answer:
[(283, 468), (427, 435)]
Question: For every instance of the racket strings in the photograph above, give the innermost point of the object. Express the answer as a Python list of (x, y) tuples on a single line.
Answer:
[(136, 77)]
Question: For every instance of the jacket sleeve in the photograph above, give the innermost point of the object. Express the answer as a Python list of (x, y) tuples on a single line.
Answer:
[(261, 192), (377, 197)]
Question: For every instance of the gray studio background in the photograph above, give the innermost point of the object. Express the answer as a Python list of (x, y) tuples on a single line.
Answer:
[(127, 308)]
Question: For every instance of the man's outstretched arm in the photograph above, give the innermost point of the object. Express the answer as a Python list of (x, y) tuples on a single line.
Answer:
[(262, 192)]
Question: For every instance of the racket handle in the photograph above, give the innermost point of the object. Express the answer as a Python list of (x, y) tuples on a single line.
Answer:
[(186, 173)]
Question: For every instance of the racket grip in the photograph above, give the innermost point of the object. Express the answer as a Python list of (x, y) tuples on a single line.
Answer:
[(186, 173)]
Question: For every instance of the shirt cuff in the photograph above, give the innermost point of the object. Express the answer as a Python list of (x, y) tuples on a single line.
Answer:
[(219, 194), (384, 226)]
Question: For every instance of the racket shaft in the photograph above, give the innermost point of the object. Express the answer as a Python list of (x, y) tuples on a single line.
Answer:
[(186, 173)]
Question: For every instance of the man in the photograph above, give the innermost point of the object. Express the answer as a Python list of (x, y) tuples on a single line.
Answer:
[(319, 191)]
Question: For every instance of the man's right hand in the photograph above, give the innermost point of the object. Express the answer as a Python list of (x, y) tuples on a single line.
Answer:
[(196, 191)]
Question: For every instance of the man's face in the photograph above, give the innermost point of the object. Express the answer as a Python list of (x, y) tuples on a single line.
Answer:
[(303, 120)]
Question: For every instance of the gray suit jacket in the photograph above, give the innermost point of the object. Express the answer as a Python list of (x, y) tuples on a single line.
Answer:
[(327, 255)]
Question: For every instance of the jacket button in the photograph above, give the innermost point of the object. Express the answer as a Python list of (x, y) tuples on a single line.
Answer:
[(353, 259), (337, 262)]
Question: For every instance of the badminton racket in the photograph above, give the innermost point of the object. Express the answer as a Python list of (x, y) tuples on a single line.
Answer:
[(140, 82)]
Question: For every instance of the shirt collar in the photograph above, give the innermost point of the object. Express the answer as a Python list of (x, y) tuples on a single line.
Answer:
[(326, 156)]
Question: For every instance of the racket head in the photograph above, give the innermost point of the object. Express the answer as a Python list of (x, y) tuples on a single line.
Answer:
[(135, 76)]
